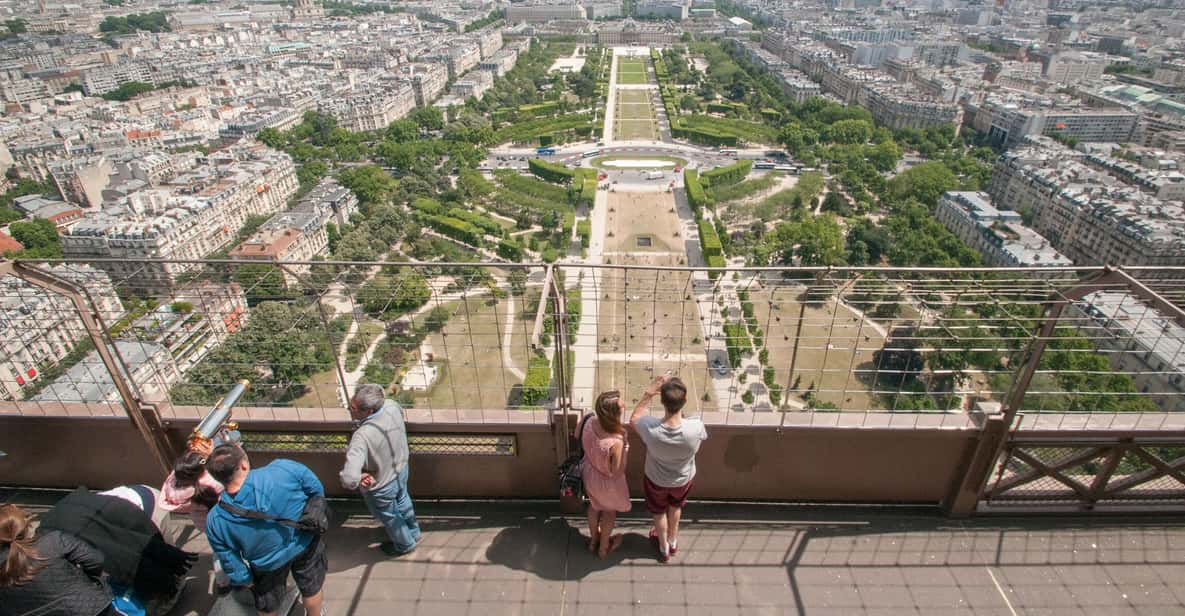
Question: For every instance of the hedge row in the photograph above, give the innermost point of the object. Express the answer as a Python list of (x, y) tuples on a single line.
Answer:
[(529, 131), (551, 172), (537, 383), (727, 175), (481, 221), (534, 111), (727, 107), (521, 184), (703, 136), (743, 130), (696, 197), (510, 250), (709, 240), (736, 337), (456, 229), (584, 230), (428, 207)]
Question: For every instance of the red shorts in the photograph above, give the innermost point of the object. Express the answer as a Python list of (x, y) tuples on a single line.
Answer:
[(659, 499)]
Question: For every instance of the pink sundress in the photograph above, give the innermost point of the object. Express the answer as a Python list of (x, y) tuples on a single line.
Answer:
[(606, 492)]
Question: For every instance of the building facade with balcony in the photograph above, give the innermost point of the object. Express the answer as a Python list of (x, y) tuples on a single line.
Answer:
[(180, 221), (428, 80), (39, 328), (370, 109), (1086, 213), (1141, 342), (999, 236)]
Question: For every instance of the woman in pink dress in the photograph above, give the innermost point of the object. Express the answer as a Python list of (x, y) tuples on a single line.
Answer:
[(605, 448)]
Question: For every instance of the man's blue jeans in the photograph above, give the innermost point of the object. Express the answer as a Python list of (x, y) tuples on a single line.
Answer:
[(391, 505)]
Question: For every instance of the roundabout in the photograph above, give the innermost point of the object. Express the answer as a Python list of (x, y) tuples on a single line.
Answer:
[(637, 162)]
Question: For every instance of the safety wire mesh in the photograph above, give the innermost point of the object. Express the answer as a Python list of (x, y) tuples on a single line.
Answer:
[(785, 346)]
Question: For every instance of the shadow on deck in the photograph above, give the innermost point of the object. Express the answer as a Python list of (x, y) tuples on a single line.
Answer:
[(491, 558)]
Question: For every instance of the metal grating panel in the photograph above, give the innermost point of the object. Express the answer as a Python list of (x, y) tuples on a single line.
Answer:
[(420, 444)]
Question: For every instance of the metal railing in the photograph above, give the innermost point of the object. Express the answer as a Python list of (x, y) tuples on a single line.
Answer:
[(1052, 385), (784, 346)]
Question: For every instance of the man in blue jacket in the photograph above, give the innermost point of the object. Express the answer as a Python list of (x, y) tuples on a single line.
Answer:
[(260, 553)]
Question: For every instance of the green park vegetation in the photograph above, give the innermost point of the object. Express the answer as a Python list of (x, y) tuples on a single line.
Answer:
[(156, 21), (21, 188), (485, 21), (744, 189)]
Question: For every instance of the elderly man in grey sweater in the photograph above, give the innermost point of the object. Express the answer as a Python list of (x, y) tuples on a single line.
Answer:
[(376, 464)]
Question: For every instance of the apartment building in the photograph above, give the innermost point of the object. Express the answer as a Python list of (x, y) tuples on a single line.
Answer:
[(23, 90), (427, 81), (151, 368), (200, 318), (461, 57), (291, 236), (1139, 341), (194, 215), (1000, 236), (500, 63), (251, 122), (1074, 67), (489, 41), (475, 84), (339, 202), (82, 180), (41, 328), (541, 13), (104, 79), (1010, 124), (664, 9), (1086, 213), (1168, 184), (896, 107), (370, 109)]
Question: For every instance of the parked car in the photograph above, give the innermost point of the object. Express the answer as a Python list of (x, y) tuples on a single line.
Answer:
[(719, 366)]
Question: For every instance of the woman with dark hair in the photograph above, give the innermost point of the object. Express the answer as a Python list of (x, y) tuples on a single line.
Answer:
[(605, 449), (190, 489), (50, 574)]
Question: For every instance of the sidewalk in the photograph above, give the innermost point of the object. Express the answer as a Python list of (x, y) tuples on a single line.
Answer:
[(521, 558)]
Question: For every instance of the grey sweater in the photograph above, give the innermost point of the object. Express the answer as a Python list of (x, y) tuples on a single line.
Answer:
[(378, 447)]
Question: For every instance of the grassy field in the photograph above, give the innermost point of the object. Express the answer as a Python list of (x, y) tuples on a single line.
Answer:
[(832, 347), (323, 391), (470, 351), (631, 71), (648, 321), (645, 215), (634, 116)]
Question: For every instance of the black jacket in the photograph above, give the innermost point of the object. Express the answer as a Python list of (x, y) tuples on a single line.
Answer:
[(135, 555), (68, 585)]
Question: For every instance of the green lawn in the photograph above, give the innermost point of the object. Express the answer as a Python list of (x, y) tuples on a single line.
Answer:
[(631, 71), (634, 116)]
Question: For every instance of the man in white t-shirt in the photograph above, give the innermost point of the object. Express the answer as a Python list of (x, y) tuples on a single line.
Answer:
[(671, 444)]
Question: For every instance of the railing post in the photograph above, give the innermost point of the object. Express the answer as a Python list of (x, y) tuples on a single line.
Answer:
[(563, 398), (977, 467), (144, 417), (964, 498)]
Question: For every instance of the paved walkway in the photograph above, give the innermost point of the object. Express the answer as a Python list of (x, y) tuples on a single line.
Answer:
[(488, 559)]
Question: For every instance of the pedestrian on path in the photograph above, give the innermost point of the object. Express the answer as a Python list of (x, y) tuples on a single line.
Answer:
[(377, 466), (671, 444), (605, 446)]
